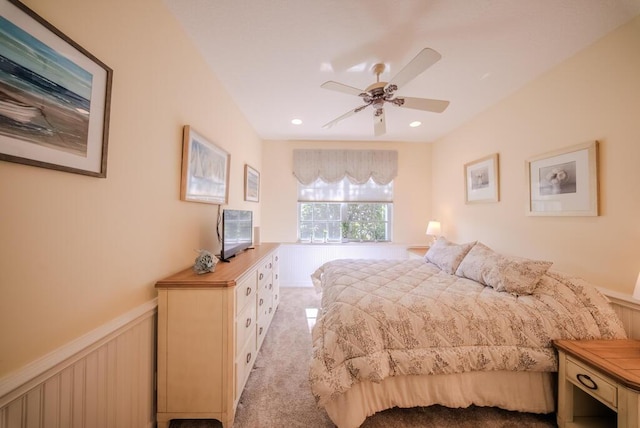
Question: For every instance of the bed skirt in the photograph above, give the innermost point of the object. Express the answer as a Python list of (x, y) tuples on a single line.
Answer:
[(532, 392)]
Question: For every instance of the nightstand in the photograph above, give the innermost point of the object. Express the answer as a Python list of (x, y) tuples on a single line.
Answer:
[(598, 383), (417, 252)]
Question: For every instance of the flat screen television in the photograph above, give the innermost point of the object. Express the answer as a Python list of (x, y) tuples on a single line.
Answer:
[(237, 232)]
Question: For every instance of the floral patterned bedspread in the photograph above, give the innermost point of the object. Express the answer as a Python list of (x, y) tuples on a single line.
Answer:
[(383, 318)]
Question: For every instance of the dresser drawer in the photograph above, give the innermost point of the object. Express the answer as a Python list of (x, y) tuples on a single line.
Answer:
[(244, 362), (245, 326), (263, 326), (245, 292), (265, 301), (592, 383), (264, 270), (276, 294)]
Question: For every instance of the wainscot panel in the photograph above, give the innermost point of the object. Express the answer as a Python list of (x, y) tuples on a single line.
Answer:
[(102, 379)]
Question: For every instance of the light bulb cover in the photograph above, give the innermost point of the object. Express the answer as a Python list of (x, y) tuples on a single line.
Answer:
[(434, 228)]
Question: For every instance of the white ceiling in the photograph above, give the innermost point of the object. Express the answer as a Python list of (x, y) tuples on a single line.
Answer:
[(273, 55)]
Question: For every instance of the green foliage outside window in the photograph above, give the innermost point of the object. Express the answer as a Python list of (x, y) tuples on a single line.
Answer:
[(336, 222)]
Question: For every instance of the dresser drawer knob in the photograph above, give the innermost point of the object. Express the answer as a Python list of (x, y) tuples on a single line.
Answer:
[(261, 302), (248, 323), (248, 357), (587, 381), (260, 332), (248, 291), (260, 276)]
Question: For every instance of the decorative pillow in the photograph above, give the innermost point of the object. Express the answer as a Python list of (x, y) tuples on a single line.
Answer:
[(447, 255), (514, 275)]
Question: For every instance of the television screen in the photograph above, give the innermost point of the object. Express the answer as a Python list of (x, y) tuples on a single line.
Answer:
[(237, 232)]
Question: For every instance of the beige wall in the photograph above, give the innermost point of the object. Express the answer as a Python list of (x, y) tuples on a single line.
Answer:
[(77, 251), (412, 195), (593, 96)]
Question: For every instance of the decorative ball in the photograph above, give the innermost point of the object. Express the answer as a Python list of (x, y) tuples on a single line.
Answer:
[(205, 262)]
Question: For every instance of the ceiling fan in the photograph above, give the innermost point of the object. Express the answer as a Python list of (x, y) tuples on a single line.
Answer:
[(379, 93)]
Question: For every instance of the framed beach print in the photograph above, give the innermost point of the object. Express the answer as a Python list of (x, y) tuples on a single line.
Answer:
[(564, 182), (251, 184), (205, 170), (482, 180), (54, 96)]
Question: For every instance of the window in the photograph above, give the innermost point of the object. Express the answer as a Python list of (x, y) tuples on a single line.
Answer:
[(343, 211), (345, 194)]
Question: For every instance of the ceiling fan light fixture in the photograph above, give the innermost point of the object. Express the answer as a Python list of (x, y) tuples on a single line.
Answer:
[(296, 121), (379, 93)]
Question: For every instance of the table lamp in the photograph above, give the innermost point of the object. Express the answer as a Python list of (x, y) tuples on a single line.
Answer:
[(433, 229)]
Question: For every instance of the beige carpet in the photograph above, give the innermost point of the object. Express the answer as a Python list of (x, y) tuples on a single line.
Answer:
[(277, 393)]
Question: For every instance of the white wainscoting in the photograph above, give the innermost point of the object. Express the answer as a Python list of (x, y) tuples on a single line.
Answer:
[(104, 379), (299, 261), (627, 309)]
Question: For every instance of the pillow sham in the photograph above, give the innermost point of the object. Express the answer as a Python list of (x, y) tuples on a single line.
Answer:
[(447, 255), (513, 275)]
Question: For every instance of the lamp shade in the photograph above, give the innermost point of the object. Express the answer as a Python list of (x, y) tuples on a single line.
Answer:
[(636, 291), (433, 228)]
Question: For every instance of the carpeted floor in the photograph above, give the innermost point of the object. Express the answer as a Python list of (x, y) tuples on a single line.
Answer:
[(277, 394)]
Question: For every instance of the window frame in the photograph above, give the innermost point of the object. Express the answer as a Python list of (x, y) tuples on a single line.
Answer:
[(344, 208)]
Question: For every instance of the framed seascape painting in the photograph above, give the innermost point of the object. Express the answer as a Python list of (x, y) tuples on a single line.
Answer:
[(251, 184), (54, 96), (205, 170), (482, 180), (564, 182)]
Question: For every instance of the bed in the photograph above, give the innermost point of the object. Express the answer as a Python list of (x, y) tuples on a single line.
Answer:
[(463, 326)]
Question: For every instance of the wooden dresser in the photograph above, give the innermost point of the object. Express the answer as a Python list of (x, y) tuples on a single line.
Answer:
[(598, 383), (210, 329)]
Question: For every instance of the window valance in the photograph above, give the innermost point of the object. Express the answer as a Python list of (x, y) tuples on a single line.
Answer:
[(333, 165)]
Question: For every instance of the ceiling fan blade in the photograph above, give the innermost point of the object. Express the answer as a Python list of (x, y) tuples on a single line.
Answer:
[(335, 86), (426, 104), (344, 116), (425, 59), (379, 125)]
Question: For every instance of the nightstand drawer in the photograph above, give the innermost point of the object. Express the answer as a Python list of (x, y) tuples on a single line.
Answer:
[(592, 383)]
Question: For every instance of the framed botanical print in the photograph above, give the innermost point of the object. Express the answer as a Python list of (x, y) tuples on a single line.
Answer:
[(482, 180), (564, 182)]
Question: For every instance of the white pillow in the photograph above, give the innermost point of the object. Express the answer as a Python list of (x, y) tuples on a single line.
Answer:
[(518, 276), (447, 255)]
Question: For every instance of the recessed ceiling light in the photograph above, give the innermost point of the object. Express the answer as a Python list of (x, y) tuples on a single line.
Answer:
[(415, 124), (326, 66), (296, 121)]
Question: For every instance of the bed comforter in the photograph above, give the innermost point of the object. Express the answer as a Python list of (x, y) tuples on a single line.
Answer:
[(382, 318)]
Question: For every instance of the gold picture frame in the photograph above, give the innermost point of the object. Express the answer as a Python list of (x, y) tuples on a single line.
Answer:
[(564, 182), (205, 170), (482, 180)]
